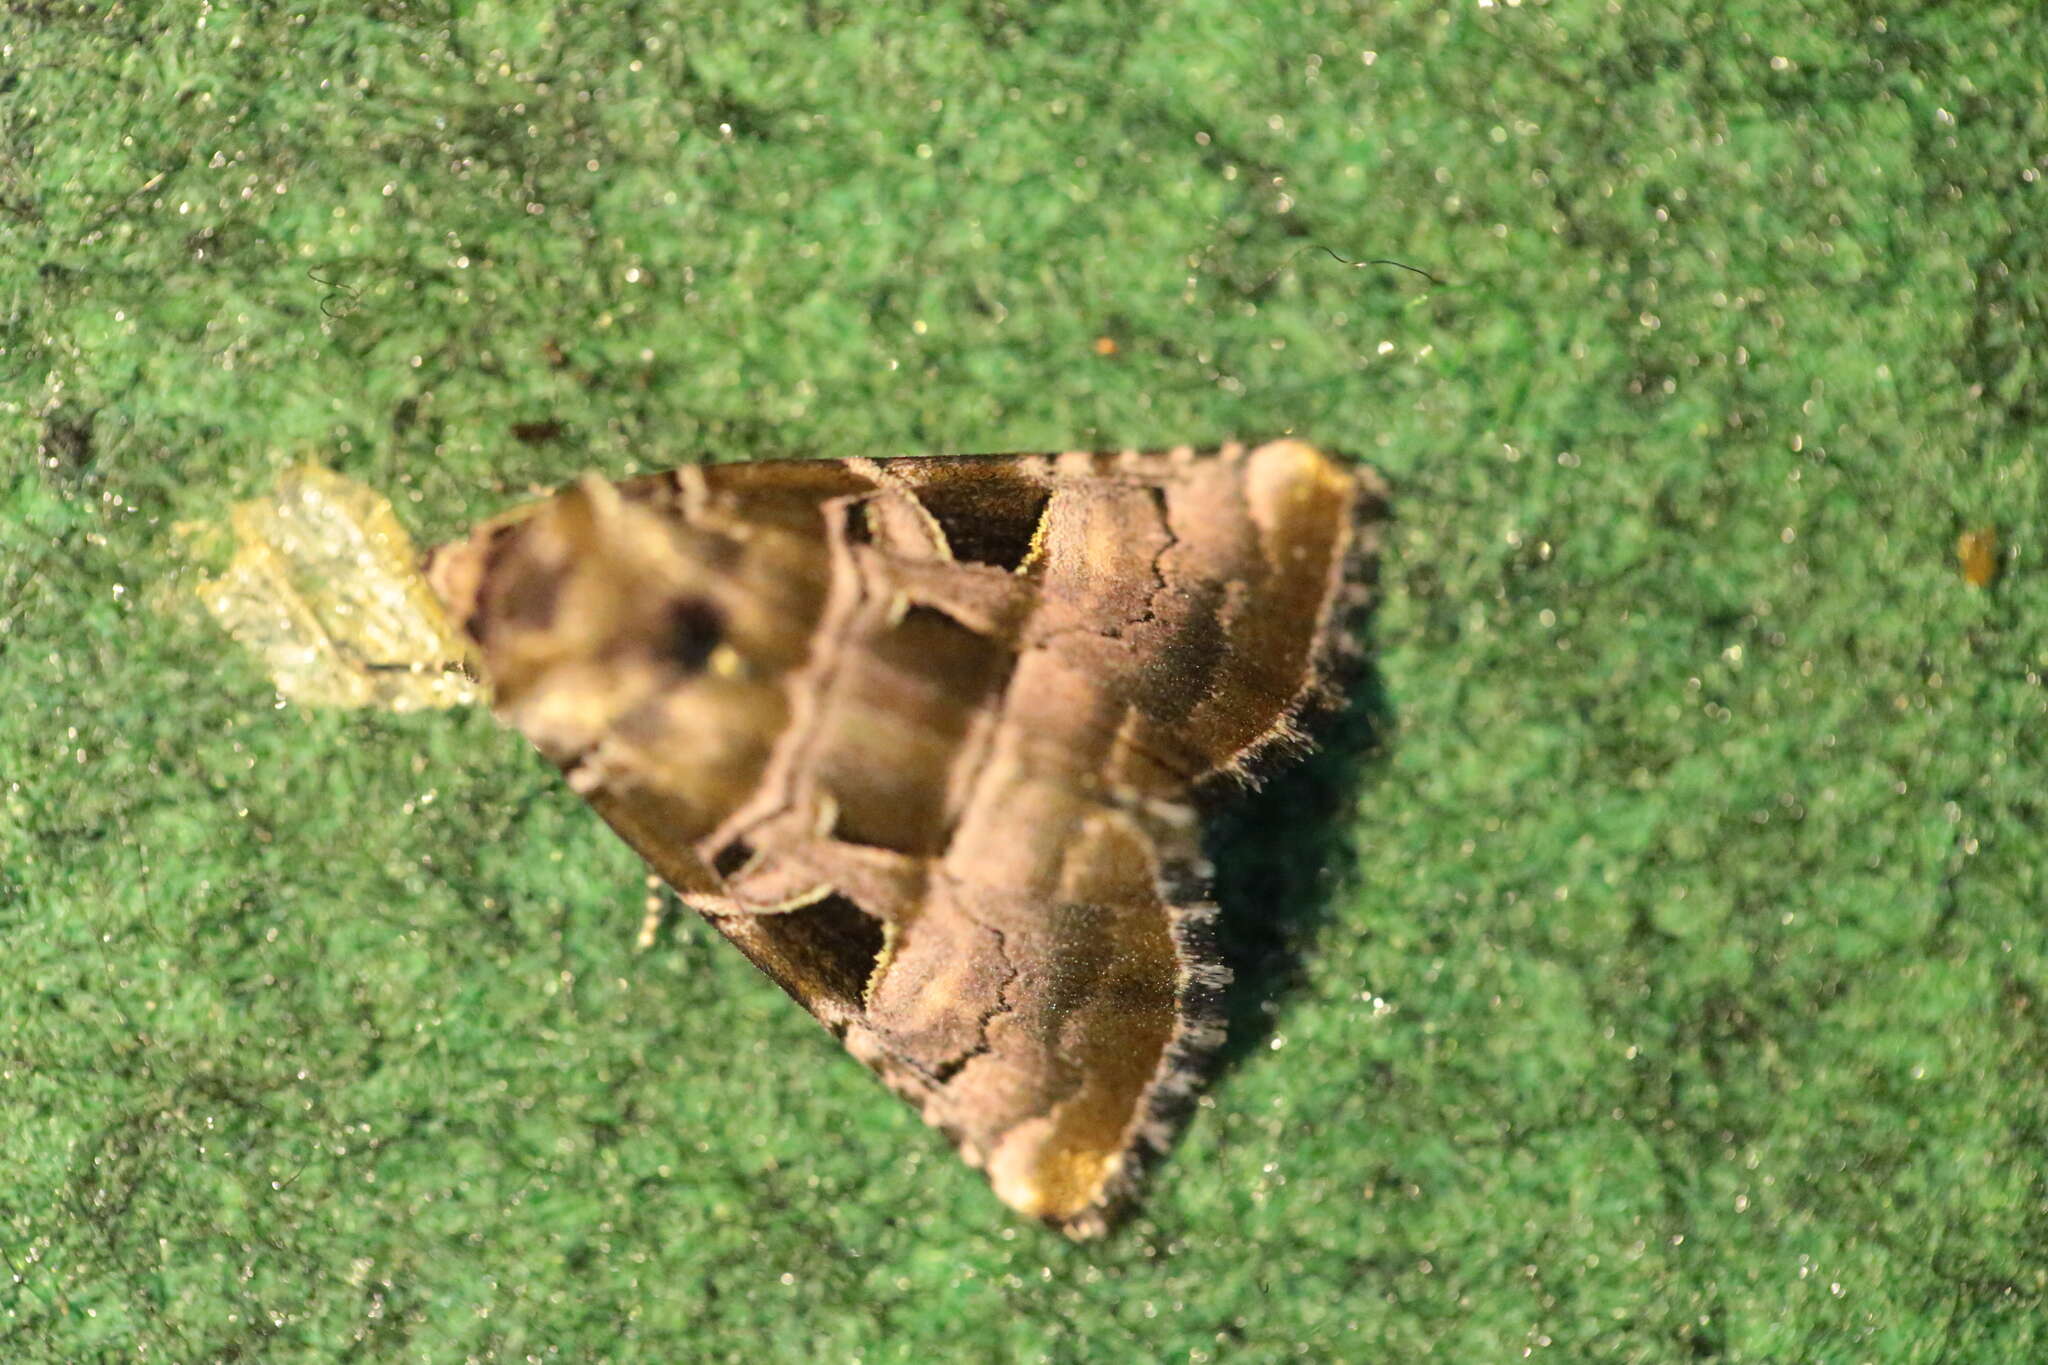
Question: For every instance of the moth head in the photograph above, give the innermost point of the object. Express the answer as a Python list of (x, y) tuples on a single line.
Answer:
[(628, 644)]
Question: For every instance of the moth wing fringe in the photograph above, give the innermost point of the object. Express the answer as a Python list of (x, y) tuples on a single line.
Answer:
[(1340, 661)]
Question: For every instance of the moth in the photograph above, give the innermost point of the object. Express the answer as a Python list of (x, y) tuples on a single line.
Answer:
[(924, 738)]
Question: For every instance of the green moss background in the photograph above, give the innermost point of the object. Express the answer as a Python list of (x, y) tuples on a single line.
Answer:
[(1668, 988)]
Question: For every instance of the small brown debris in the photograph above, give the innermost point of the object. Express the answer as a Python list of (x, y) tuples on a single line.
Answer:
[(1977, 553), (537, 433)]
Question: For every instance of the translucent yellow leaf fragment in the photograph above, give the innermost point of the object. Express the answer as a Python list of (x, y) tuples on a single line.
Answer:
[(325, 587)]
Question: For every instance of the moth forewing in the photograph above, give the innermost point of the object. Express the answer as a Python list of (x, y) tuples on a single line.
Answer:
[(923, 738)]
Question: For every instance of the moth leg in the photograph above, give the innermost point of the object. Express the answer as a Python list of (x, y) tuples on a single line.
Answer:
[(654, 913)]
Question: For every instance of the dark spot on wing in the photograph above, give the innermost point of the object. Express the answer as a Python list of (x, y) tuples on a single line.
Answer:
[(695, 627), (732, 857), (990, 518), (835, 945)]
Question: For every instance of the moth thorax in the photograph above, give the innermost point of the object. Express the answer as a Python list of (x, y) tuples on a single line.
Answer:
[(608, 632)]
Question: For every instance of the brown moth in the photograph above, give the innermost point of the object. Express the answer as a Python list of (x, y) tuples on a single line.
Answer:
[(922, 736)]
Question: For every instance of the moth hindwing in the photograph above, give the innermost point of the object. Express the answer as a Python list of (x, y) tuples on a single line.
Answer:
[(922, 738)]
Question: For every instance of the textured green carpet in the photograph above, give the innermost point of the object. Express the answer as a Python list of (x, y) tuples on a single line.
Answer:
[(1670, 987)]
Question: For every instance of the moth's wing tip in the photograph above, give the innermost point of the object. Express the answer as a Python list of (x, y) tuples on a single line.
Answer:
[(1292, 456), (1089, 1222)]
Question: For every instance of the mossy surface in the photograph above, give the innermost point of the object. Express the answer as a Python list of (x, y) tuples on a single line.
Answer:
[(1669, 984)]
